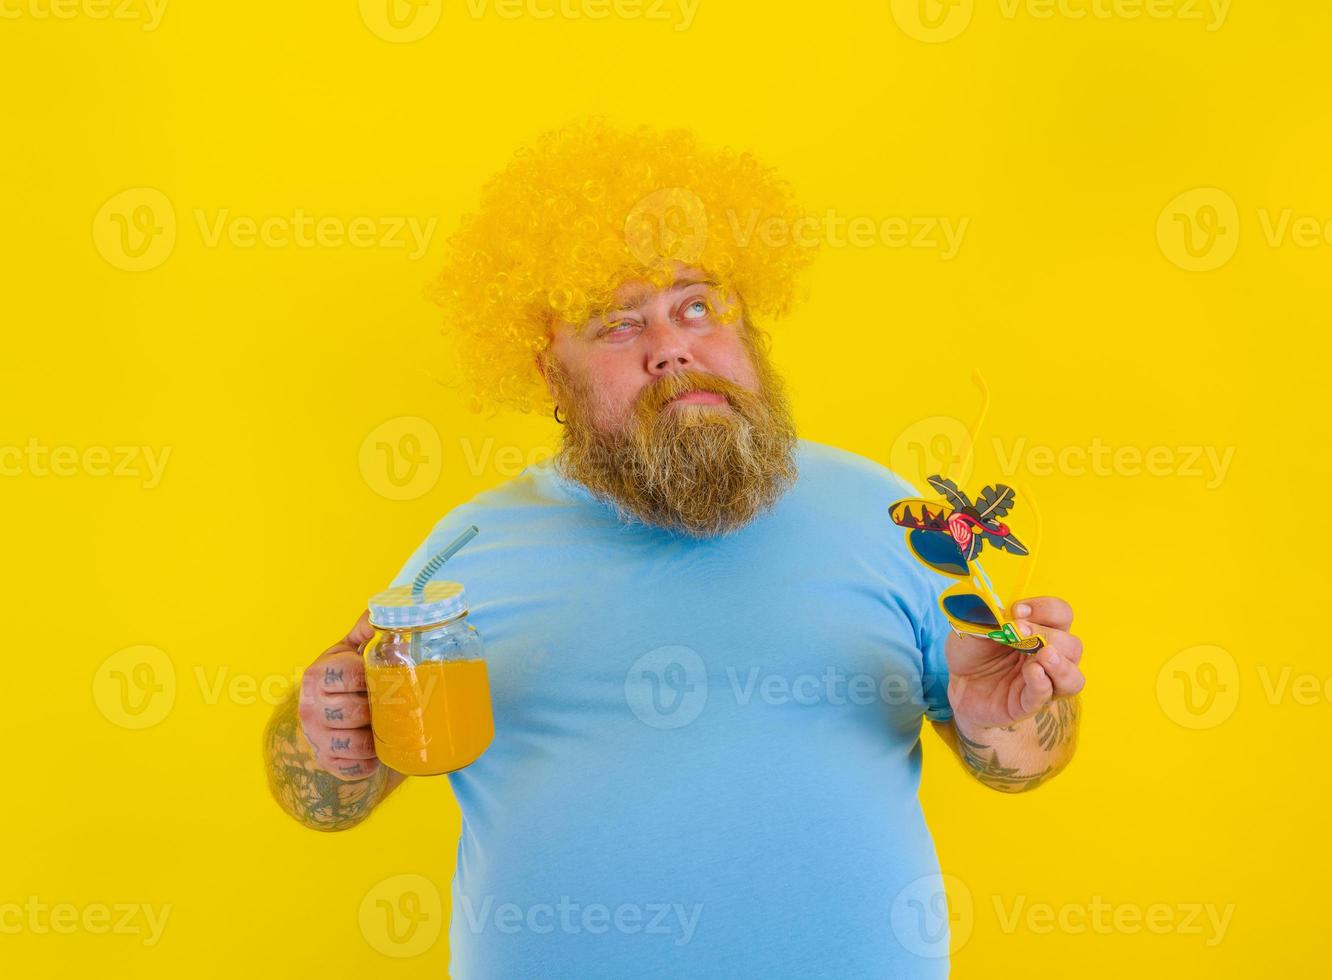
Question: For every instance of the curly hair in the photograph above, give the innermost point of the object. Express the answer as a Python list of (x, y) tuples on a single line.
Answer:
[(584, 209)]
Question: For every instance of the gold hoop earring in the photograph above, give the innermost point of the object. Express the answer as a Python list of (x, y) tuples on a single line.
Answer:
[(557, 415)]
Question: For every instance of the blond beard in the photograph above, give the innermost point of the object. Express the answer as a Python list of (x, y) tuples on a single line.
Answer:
[(702, 470)]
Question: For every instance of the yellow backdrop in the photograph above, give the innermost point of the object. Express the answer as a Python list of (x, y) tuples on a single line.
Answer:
[(1101, 229)]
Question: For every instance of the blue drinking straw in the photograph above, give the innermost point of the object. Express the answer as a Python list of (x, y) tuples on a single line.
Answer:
[(436, 563)]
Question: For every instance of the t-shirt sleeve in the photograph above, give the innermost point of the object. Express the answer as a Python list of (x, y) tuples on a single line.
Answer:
[(932, 627), (934, 633)]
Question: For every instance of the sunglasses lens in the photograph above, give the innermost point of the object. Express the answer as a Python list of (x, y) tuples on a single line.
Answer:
[(970, 609), (940, 551)]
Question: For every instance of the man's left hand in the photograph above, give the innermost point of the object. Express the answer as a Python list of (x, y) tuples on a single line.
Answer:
[(991, 684)]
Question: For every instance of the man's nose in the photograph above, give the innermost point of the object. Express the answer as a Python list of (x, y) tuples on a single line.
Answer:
[(667, 348)]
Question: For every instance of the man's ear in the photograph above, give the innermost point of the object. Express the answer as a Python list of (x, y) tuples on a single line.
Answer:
[(542, 360), (548, 363)]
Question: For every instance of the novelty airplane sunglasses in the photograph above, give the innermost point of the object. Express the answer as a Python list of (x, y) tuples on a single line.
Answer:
[(947, 537)]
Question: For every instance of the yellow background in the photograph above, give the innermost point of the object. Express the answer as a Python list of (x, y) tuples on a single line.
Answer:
[(262, 370)]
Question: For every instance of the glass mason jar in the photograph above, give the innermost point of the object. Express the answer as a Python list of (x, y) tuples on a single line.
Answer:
[(428, 689)]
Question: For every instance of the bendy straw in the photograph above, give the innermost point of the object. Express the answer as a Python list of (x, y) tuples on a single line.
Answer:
[(436, 563)]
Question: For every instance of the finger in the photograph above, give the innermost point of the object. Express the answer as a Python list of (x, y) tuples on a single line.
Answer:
[(349, 744), (343, 711), (1063, 673), (349, 770), (339, 672), (1066, 645), (1037, 688), (1046, 610), (361, 632)]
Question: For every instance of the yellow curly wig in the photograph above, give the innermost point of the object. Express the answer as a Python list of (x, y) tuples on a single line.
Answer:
[(587, 207)]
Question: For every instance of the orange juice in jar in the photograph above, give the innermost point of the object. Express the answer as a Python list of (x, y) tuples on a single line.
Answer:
[(429, 694)]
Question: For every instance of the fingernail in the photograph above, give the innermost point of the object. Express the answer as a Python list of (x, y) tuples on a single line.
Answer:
[(1024, 629), (1055, 660), (1022, 609)]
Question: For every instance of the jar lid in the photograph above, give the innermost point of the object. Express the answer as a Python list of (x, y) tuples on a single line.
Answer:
[(397, 607)]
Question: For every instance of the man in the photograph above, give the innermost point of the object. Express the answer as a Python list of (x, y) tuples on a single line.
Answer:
[(709, 649)]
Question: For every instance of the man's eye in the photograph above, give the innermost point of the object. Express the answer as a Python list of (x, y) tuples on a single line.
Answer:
[(617, 328), (697, 309)]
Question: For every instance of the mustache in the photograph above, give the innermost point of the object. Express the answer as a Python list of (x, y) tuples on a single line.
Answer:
[(661, 392)]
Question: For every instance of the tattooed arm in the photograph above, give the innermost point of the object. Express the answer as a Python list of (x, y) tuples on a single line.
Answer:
[(318, 747), (1015, 717), (1018, 757)]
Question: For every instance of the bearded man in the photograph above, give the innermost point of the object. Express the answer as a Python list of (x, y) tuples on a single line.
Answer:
[(709, 651)]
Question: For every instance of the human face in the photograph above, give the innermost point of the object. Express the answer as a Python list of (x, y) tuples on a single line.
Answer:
[(684, 338), (675, 413)]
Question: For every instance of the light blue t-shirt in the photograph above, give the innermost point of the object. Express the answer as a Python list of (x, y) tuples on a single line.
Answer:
[(706, 753)]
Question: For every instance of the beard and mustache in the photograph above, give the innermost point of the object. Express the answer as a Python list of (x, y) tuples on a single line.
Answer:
[(702, 470)]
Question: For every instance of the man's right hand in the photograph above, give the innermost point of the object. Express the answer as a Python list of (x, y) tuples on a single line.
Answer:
[(335, 709)]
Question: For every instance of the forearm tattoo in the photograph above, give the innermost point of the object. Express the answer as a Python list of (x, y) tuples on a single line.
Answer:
[(1056, 729), (312, 796)]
